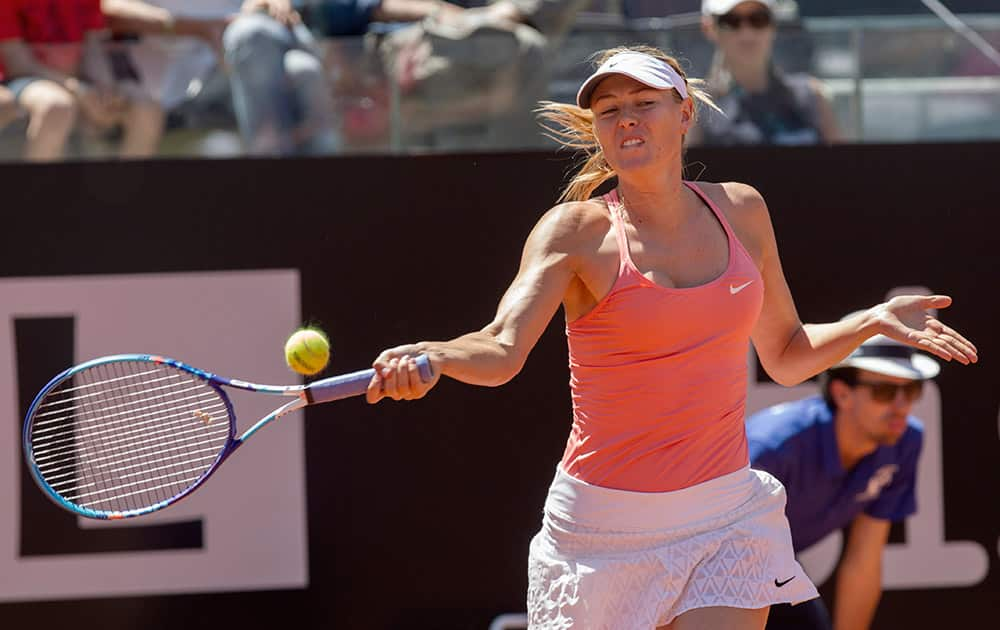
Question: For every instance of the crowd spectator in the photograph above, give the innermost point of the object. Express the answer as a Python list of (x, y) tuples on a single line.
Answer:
[(254, 58), (463, 75), (54, 61), (362, 91), (760, 103)]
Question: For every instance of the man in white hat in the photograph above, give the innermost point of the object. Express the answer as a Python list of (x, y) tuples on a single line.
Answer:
[(847, 458)]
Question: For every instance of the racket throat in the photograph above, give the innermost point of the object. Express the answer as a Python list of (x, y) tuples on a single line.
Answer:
[(300, 402)]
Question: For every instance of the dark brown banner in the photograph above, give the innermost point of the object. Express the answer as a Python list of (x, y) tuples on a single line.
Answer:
[(418, 515)]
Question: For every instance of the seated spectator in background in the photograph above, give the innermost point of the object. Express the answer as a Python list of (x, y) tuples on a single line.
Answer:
[(528, 32), (53, 59), (760, 104), (464, 76), (276, 89), (362, 92)]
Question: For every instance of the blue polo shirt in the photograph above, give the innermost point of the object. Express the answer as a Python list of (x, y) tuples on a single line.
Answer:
[(795, 442)]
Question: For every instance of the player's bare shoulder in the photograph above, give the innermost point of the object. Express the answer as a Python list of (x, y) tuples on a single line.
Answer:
[(741, 203), (574, 227), (734, 197), (746, 211)]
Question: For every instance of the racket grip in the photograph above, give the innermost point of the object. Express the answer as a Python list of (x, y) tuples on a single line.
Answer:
[(355, 383)]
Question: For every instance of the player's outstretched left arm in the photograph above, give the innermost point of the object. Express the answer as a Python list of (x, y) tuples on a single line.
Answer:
[(792, 352)]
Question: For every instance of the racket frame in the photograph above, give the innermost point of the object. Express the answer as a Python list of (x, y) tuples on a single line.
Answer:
[(324, 390)]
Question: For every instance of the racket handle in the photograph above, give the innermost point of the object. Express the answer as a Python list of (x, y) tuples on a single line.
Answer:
[(355, 383)]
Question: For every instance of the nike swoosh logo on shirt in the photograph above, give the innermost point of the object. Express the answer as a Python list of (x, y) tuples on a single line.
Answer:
[(734, 290), (780, 584)]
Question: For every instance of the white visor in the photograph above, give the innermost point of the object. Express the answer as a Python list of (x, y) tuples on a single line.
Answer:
[(721, 7), (886, 356), (644, 68)]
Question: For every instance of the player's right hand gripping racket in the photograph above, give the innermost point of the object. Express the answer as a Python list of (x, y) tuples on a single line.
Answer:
[(130, 434)]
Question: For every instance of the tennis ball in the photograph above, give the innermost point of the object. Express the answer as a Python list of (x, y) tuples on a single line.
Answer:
[(307, 351)]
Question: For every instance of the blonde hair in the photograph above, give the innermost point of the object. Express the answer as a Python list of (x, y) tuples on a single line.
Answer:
[(573, 127)]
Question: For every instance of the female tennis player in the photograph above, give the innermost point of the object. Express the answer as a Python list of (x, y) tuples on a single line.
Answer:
[(654, 518)]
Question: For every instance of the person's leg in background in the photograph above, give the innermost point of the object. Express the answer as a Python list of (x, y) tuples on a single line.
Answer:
[(52, 114), (255, 47), (9, 109), (142, 122), (273, 90), (12, 126), (315, 133)]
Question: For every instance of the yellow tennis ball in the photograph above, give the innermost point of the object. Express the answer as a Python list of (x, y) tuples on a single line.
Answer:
[(307, 351)]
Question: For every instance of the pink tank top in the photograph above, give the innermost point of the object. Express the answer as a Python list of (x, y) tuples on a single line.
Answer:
[(659, 375)]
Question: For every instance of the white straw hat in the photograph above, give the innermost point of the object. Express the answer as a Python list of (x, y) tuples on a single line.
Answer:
[(887, 356)]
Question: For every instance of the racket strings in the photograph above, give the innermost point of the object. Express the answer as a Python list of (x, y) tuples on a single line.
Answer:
[(164, 425), (118, 409), (128, 435), (65, 397)]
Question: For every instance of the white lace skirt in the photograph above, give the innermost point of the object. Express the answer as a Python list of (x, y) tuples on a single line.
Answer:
[(635, 560)]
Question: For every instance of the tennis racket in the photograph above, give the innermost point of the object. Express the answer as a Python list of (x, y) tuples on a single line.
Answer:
[(129, 434)]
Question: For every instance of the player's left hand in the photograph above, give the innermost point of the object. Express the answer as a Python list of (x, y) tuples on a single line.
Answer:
[(906, 318)]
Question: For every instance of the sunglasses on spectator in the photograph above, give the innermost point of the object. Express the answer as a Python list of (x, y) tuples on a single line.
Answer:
[(757, 20), (886, 392)]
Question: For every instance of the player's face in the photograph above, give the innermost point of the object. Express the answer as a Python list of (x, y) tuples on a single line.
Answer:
[(879, 405), (639, 126)]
